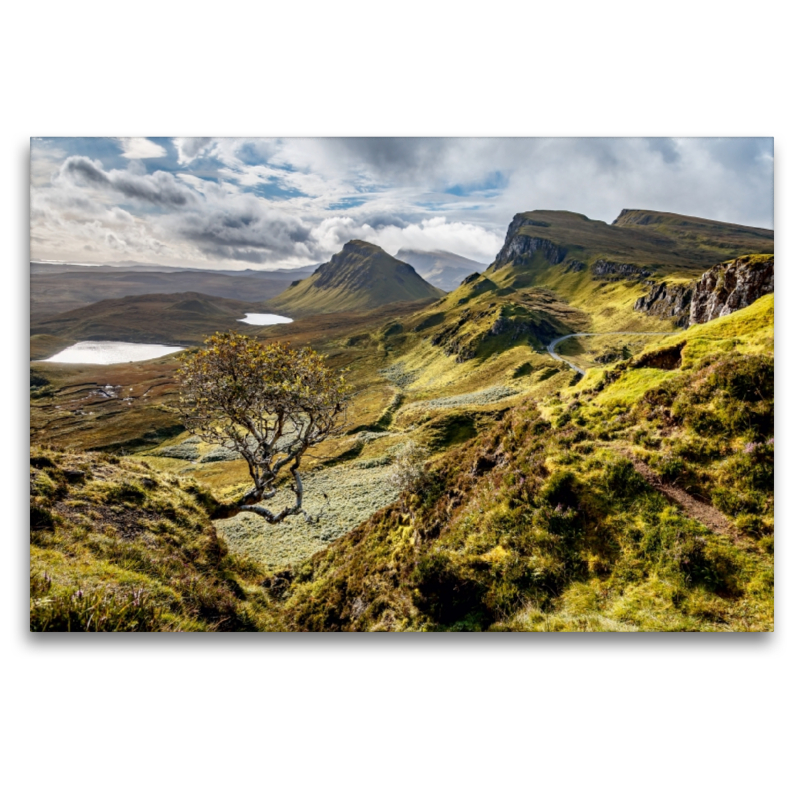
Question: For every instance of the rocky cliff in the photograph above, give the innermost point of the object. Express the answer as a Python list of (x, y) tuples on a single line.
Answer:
[(518, 246), (729, 287), (614, 271), (668, 301), (725, 288)]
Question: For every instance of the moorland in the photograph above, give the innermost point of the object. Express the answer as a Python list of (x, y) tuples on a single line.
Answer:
[(618, 481)]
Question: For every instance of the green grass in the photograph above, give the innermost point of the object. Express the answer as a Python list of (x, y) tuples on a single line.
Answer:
[(116, 546), (529, 516)]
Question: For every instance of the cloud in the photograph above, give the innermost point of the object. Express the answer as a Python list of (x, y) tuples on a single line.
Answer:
[(139, 147), (223, 202), (436, 233), (244, 229), (158, 188), (189, 148)]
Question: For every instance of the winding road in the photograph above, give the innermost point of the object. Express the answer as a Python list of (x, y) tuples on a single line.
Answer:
[(551, 348)]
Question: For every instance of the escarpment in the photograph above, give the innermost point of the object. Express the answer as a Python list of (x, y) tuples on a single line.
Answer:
[(720, 291), (667, 301), (613, 271), (729, 287), (518, 246)]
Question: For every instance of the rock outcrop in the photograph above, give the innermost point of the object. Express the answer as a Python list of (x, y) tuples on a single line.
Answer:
[(722, 290), (668, 301), (729, 287), (519, 247), (613, 271)]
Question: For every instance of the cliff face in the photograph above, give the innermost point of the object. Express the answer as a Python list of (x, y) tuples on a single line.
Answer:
[(729, 287), (667, 301), (722, 290), (520, 246), (614, 271)]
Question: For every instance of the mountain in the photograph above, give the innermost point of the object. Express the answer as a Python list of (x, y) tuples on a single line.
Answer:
[(442, 269), (640, 240), (359, 277), (480, 483), (54, 292)]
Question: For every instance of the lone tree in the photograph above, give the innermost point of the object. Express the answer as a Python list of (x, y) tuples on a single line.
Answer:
[(266, 402)]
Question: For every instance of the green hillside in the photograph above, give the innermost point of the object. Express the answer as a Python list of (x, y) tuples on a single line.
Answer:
[(117, 547), (563, 515), (637, 496), (359, 277)]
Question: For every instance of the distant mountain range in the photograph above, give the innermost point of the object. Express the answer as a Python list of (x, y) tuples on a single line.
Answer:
[(360, 276), (130, 266), (442, 269)]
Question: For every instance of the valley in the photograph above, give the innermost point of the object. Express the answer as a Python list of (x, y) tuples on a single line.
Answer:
[(547, 405)]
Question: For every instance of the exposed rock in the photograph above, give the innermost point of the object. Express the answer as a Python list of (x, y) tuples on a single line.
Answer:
[(614, 271), (667, 301), (519, 247), (731, 286), (574, 266), (666, 358)]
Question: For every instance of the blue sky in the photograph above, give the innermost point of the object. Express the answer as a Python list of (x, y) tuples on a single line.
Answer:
[(266, 203)]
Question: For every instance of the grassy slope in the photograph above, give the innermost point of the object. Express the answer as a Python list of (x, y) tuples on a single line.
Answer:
[(360, 277), (409, 387), (116, 546), (541, 522)]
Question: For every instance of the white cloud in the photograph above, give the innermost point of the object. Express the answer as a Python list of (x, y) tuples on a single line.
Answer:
[(287, 202), (139, 147), (190, 147), (436, 233)]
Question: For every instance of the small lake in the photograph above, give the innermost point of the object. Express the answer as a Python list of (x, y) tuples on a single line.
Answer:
[(264, 319), (111, 353)]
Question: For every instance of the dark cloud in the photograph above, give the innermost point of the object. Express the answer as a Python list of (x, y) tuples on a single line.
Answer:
[(742, 154), (158, 188), (384, 220), (245, 234), (666, 148)]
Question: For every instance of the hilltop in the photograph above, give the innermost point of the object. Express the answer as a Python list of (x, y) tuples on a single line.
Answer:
[(439, 267), (359, 277)]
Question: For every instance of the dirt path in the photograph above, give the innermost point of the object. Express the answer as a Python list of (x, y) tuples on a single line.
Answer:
[(702, 512), (551, 348)]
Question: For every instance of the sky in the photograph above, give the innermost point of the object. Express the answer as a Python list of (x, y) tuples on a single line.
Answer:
[(256, 203)]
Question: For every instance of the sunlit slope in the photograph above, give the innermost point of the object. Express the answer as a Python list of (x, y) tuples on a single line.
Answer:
[(361, 276), (557, 516), (117, 546)]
